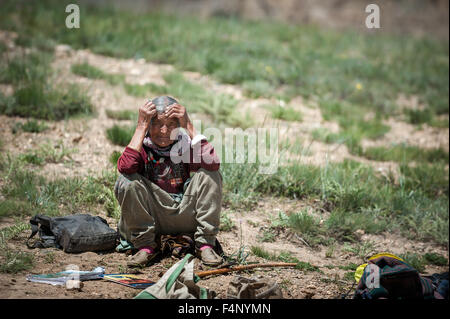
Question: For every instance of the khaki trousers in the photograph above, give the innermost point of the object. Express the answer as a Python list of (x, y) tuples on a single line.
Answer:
[(148, 211)]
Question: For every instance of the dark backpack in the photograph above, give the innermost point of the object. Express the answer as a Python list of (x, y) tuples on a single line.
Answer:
[(397, 280), (73, 233)]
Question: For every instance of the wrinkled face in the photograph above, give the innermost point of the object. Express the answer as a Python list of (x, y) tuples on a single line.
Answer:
[(160, 130)]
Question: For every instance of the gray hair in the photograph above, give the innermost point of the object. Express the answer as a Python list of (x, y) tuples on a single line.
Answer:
[(162, 102)]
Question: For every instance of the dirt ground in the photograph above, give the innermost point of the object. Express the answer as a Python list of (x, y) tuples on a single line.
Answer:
[(295, 284), (88, 137)]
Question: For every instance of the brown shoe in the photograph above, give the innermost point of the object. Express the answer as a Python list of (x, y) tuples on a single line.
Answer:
[(209, 257), (141, 259)]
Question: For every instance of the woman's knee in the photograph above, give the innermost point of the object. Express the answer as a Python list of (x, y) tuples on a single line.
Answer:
[(126, 184), (213, 176)]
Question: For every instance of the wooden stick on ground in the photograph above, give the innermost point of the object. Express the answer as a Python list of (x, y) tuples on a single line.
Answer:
[(220, 271)]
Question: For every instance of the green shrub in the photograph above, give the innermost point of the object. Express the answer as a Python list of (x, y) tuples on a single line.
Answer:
[(91, 72), (403, 154), (34, 96), (435, 259), (122, 115), (120, 135), (32, 126), (114, 157), (16, 261)]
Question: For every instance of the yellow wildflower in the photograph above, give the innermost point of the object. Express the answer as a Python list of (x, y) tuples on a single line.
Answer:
[(269, 69)]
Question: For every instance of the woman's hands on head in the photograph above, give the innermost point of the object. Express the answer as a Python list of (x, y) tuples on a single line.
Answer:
[(178, 111), (146, 113)]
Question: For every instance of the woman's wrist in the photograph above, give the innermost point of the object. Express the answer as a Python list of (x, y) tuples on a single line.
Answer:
[(191, 130), (138, 138)]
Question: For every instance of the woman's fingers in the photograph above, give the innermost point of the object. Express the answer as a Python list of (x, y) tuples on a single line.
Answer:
[(150, 108), (175, 114), (175, 110)]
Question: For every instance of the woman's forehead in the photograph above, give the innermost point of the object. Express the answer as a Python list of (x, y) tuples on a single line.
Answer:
[(162, 118)]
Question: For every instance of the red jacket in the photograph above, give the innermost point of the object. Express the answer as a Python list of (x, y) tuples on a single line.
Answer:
[(132, 161)]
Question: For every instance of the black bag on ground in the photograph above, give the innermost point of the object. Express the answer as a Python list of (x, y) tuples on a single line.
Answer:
[(397, 280), (73, 233)]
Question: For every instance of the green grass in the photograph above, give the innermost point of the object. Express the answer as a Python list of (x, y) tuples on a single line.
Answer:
[(420, 262), (3, 48), (404, 153), (226, 223), (363, 249), (349, 276), (220, 107), (13, 262), (16, 261), (257, 89), (145, 90), (354, 194), (120, 135), (34, 95), (114, 157), (350, 266), (91, 72), (304, 225), (47, 153), (431, 179), (435, 259), (267, 58), (122, 115), (26, 193), (415, 260), (301, 222), (419, 116), (31, 126), (343, 225), (267, 236), (260, 252), (285, 113), (354, 78), (353, 122), (10, 232)]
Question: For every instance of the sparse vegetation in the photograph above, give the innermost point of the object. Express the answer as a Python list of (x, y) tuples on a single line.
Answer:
[(16, 261), (91, 72), (286, 113), (226, 223), (47, 153), (361, 249), (406, 154), (120, 135), (121, 115), (35, 95), (114, 157), (31, 126), (26, 193), (420, 262), (267, 236), (353, 193), (353, 79)]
